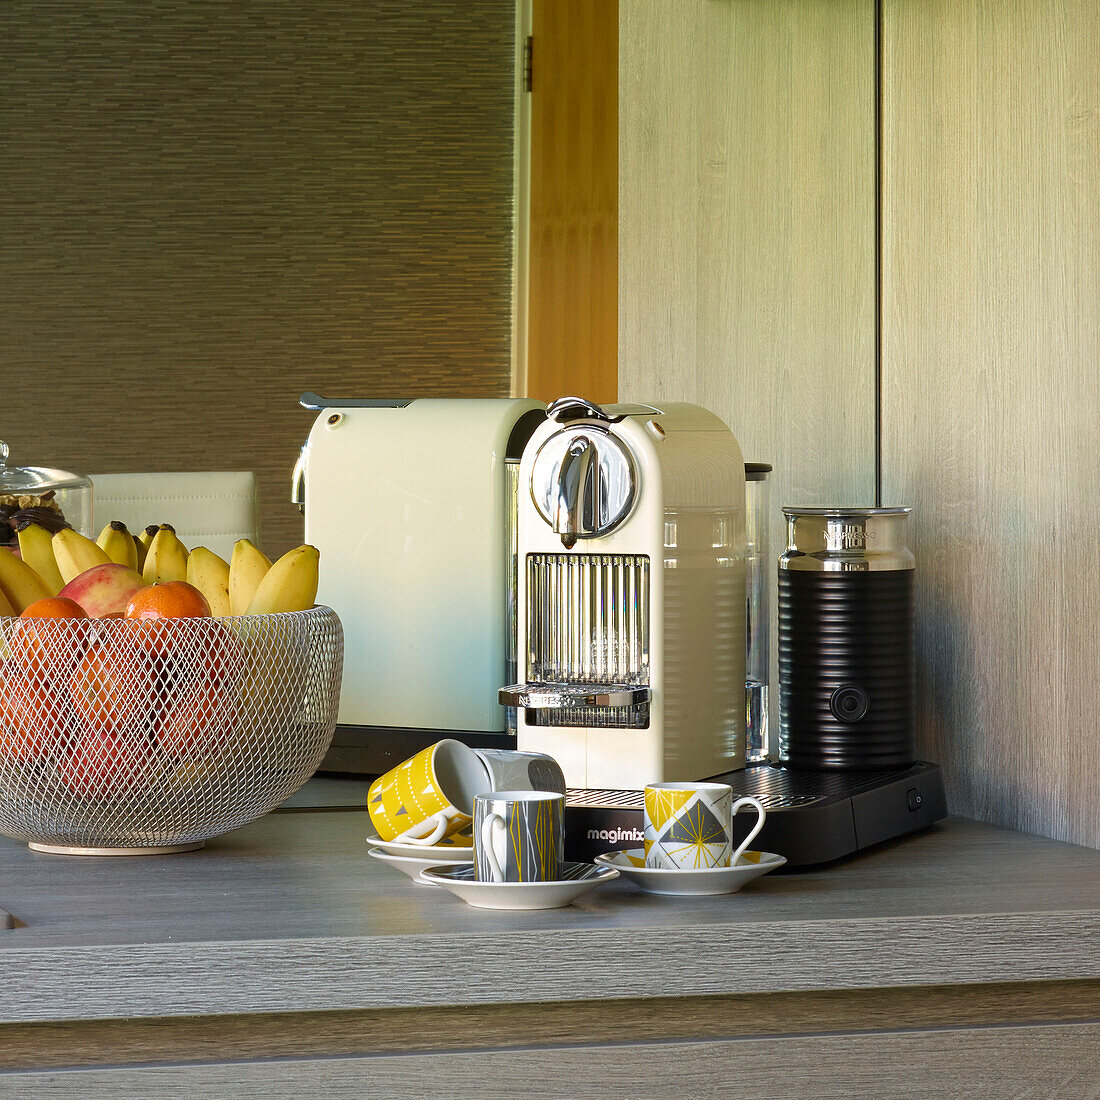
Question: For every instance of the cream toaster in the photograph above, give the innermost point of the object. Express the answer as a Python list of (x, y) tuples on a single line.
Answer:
[(412, 505)]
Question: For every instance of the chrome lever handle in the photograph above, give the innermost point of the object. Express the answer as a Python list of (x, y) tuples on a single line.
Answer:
[(576, 508)]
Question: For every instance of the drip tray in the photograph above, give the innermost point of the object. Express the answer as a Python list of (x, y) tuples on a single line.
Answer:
[(813, 816), (585, 706)]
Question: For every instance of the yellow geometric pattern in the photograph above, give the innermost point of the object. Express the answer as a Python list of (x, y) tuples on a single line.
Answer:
[(408, 795), (661, 805), (533, 832)]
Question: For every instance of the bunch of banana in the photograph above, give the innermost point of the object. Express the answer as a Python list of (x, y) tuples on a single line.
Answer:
[(118, 544), (166, 558), (75, 553), (210, 575), (248, 585), (256, 587)]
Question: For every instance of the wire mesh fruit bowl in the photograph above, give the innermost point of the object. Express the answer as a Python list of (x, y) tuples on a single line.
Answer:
[(126, 737)]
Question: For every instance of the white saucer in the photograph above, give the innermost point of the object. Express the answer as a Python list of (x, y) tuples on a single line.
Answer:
[(705, 880), (410, 865), (578, 878), (454, 849)]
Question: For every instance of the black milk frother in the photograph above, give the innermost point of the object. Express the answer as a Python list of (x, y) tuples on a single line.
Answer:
[(846, 644)]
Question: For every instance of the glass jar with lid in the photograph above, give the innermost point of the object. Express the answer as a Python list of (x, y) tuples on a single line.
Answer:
[(40, 494), (758, 569)]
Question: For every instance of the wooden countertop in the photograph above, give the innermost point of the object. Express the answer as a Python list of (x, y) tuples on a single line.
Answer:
[(289, 914)]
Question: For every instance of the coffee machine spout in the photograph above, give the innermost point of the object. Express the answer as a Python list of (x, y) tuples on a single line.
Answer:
[(577, 491)]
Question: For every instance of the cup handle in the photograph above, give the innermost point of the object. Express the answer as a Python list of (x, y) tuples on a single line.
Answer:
[(487, 845), (747, 800), (436, 834)]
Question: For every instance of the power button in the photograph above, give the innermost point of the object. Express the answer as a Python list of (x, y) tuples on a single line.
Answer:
[(914, 798)]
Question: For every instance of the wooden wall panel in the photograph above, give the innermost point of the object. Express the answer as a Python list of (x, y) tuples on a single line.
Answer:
[(991, 396), (572, 335), (746, 240), (209, 208)]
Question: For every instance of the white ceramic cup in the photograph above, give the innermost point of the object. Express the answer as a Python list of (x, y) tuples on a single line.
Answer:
[(511, 770), (519, 836), (689, 826)]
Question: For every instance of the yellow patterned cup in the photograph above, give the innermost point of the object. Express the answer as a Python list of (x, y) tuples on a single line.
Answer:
[(429, 796), (689, 826)]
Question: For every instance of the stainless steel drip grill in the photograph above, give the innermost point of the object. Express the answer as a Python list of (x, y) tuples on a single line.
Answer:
[(119, 737), (588, 640)]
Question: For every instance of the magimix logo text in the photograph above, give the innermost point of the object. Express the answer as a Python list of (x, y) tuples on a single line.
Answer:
[(616, 834)]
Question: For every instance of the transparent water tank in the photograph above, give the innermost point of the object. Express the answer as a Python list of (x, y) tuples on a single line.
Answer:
[(757, 588), (51, 498)]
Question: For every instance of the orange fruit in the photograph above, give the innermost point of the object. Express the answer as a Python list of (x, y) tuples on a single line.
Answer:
[(150, 610), (114, 688), (170, 600), (198, 721), (35, 711), (34, 718), (54, 607), (49, 649), (103, 765)]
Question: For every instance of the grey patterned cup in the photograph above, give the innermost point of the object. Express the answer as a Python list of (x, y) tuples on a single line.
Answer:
[(519, 836)]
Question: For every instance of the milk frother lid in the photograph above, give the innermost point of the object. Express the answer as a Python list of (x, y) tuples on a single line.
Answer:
[(844, 513), (831, 539)]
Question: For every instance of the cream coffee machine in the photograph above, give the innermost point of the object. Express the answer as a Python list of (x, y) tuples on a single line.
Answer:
[(630, 608)]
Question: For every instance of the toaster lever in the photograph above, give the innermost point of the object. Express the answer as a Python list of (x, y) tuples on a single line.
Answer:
[(298, 480), (577, 507), (575, 408)]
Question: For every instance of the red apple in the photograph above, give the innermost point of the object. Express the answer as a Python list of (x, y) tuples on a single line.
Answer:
[(104, 590), (107, 765)]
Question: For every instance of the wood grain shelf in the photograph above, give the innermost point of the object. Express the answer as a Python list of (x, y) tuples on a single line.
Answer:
[(280, 959), (289, 915)]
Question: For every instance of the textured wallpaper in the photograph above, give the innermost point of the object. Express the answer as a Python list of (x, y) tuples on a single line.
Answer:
[(209, 207)]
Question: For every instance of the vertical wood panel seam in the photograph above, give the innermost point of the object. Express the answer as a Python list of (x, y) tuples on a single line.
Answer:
[(878, 153)]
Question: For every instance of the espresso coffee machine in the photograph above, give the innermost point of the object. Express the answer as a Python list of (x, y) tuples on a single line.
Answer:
[(630, 608)]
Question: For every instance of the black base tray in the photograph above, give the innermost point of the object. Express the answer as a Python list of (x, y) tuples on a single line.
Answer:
[(813, 816)]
